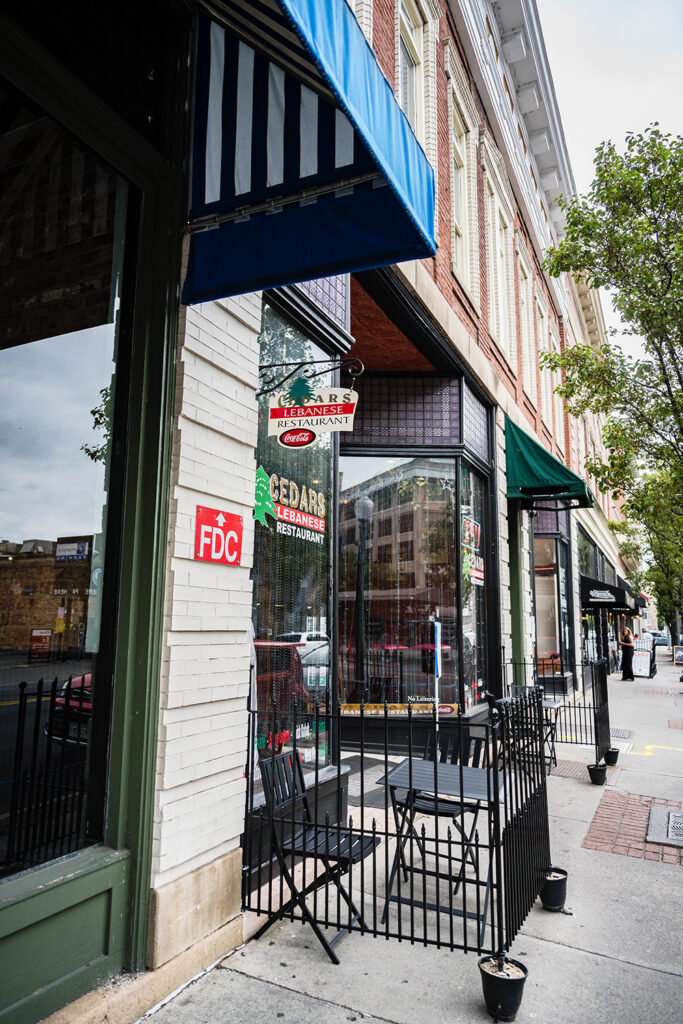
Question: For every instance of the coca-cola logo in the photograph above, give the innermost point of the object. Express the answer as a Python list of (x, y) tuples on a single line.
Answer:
[(446, 709), (297, 438)]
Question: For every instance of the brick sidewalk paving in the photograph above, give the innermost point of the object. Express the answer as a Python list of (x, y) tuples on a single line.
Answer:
[(619, 826)]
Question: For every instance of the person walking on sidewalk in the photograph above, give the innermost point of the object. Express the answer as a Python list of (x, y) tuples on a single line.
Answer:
[(627, 654)]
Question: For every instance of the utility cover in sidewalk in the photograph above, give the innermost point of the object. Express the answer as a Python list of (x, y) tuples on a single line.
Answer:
[(665, 827)]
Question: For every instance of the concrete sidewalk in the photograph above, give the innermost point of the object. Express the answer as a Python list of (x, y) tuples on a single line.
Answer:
[(617, 958)]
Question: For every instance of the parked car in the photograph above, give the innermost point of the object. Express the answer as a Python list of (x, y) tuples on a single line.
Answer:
[(308, 641), (316, 669), (72, 713), (661, 639), (279, 676)]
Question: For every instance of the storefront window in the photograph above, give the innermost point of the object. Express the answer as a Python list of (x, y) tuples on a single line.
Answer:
[(553, 619), (473, 583), (586, 554), (547, 607), (398, 595), (292, 564), (60, 307), (391, 594)]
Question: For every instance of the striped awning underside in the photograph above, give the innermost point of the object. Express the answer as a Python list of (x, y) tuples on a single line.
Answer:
[(303, 164)]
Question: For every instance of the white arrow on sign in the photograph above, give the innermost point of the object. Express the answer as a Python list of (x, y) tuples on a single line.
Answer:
[(220, 518)]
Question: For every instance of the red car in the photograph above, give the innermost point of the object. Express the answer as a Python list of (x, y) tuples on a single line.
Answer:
[(279, 677), (72, 711)]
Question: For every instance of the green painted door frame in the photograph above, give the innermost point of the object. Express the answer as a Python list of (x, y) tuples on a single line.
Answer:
[(68, 925), (516, 579)]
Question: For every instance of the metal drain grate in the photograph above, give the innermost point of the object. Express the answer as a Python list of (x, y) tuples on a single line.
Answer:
[(621, 734), (675, 826)]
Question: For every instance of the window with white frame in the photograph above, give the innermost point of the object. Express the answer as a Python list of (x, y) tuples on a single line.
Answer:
[(546, 381), (499, 211), (556, 380), (460, 171), (464, 122), (526, 327), (498, 260), (411, 64)]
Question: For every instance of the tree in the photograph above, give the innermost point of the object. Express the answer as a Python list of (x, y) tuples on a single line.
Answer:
[(299, 392), (627, 235), (651, 535), (101, 416)]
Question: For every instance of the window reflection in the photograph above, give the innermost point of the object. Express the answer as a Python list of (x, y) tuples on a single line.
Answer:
[(291, 574), (473, 584), (64, 221), (394, 585)]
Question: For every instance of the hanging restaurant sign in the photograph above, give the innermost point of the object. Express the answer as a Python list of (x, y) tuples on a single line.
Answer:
[(296, 417)]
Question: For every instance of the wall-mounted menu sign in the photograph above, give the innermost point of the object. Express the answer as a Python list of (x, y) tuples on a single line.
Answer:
[(297, 416)]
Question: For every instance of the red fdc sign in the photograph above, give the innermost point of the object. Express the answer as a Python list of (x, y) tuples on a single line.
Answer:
[(218, 536)]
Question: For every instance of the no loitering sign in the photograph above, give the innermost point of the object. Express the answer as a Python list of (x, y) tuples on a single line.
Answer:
[(218, 536)]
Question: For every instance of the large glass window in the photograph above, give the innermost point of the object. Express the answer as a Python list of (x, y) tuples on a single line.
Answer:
[(60, 305), (547, 605), (292, 560), (473, 542), (402, 636)]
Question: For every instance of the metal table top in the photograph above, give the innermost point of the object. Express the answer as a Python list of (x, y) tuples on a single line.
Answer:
[(477, 783)]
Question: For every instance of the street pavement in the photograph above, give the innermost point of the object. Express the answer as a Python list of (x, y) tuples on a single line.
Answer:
[(618, 957)]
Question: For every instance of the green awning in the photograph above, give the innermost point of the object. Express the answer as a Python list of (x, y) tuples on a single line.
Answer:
[(534, 475)]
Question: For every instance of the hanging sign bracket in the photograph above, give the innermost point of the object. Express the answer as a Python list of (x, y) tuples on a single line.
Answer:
[(308, 369)]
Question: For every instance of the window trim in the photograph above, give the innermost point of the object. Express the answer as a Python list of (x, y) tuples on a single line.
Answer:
[(461, 106), (529, 367), (499, 204)]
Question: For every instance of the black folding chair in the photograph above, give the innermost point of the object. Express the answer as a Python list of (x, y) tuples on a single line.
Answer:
[(453, 748), (295, 834)]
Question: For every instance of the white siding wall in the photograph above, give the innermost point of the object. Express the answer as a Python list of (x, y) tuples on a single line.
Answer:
[(205, 671)]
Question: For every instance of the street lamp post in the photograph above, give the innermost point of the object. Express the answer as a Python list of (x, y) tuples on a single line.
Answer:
[(363, 508)]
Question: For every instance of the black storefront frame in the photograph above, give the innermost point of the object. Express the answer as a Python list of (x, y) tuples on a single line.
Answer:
[(459, 453), (567, 658), (103, 891)]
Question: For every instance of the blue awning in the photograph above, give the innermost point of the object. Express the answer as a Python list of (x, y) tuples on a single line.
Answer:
[(304, 165)]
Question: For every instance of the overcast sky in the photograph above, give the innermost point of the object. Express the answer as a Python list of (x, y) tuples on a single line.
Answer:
[(617, 66), (49, 488)]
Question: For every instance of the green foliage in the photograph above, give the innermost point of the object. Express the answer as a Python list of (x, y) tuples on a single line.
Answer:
[(101, 416), (626, 235), (652, 536)]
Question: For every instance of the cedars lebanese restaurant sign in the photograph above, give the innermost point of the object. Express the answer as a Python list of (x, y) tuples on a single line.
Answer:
[(298, 415)]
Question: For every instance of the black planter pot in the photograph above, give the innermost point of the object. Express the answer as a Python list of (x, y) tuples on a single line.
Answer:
[(503, 996), (598, 774), (554, 892), (612, 755)]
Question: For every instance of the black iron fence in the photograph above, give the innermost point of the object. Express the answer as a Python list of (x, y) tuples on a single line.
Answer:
[(579, 719), (43, 812), (443, 841)]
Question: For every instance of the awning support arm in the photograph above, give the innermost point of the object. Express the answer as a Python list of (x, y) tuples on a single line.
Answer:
[(271, 383)]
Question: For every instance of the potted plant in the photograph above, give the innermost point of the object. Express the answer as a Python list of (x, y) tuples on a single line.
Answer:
[(502, 981), (612, 755), (554, 891), (598, 774)]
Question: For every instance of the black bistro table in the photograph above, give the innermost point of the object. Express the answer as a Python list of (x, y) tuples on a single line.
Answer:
[(424, 786), (551, 709)]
